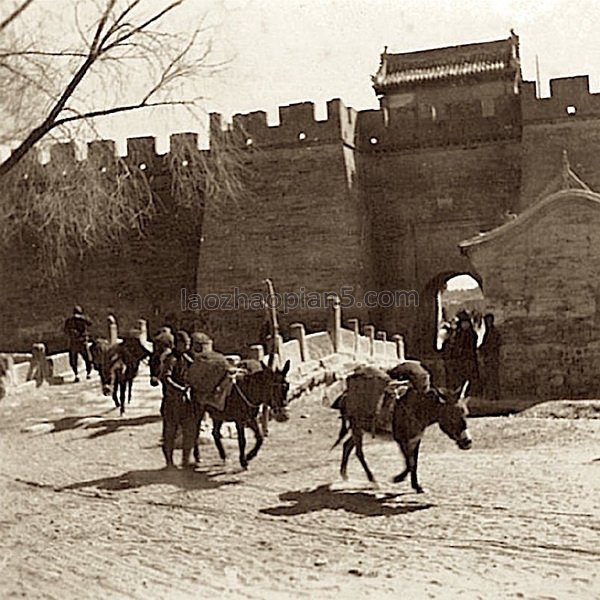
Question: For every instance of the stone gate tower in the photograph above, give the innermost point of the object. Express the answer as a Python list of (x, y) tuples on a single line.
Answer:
[(440, 161)]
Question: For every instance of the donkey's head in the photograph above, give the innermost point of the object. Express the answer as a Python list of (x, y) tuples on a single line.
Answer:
[(453, 413), (277, 392)]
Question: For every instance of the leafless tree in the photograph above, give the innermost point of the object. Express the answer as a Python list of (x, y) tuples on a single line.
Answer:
[(119, 56)]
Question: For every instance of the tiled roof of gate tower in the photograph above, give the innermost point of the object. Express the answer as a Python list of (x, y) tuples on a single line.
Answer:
[(497, 58)]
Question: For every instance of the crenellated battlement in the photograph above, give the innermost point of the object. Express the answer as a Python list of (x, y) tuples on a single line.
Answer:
[(297, 124), (420, 124), (426, 124), (570, 98), (140, 151)]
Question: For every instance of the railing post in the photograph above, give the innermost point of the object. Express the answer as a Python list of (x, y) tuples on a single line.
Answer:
[(354, 324), (399, 347), (113, 331), (369, 331), (38, 365), (335, 323), (381, 335), (257, 352), (298, 332), (143, 329)]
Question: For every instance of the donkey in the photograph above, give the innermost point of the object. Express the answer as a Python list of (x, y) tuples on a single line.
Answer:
[(117, 365), (256, 387), (414, 409)]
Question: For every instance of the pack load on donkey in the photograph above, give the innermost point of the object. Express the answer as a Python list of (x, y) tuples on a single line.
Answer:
[(371, 393), (365, 396), (211, 376)]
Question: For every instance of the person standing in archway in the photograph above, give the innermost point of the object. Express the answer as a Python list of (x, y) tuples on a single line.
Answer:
[(466, 353), (449, 355), (489, 354)]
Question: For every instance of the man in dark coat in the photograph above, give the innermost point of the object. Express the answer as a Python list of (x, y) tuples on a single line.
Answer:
[(466, 353), (76, 330), (450, 356), (489, 353), (177, 408)]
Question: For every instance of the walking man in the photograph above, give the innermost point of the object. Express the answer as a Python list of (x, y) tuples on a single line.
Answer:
[(76, 330), (177, 408)]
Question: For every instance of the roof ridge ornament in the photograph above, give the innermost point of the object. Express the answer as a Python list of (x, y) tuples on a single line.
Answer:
[(570, 179)]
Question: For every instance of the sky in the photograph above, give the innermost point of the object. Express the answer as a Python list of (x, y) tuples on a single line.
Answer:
[(285, 51)]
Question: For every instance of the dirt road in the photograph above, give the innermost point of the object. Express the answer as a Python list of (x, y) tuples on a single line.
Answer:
[(87, 511)]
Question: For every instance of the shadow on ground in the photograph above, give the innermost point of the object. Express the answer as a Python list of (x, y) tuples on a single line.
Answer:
[(103, 425), (186, 479), (368, 504), (111, 425)]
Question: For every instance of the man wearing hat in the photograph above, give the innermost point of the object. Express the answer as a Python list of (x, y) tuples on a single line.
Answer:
[(466, 352), (177, 408), (76, 330), (212, 374)]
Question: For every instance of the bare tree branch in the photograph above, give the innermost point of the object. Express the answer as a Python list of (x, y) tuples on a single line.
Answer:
[(68, 206), (14, 15), (119, 109)]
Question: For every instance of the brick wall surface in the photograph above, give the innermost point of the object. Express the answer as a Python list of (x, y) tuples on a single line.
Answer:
[(422, 204), (304, 228), (541, 280), (543, 145), (141, 278)]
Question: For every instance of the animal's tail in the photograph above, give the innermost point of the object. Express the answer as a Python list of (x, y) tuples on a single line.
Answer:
[(344, 429)]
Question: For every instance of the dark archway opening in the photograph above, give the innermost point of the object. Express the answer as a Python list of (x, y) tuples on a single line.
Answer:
[(459, 294), (440, 303)]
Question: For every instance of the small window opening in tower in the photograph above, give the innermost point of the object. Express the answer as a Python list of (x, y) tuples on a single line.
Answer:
[(143, 166), (103, 170), (571, 110), (302, 135), (374, 141), (184, 163), (249, 142)]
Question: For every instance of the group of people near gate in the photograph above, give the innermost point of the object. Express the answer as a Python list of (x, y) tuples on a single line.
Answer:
[(466, 359)]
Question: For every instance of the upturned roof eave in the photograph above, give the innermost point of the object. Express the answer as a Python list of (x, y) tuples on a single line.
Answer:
[(528, 214)]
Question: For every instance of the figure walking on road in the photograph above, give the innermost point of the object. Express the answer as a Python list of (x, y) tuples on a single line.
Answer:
[(177, 408), (76, 330)]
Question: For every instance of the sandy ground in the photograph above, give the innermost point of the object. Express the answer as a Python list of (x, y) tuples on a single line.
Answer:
[(87, 511)]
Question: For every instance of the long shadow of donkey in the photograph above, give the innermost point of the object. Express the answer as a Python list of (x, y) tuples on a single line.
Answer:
[(368, 504)]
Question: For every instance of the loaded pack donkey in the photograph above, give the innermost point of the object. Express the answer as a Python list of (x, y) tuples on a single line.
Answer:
[(238, 397), (118, 365), (403, 401)]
